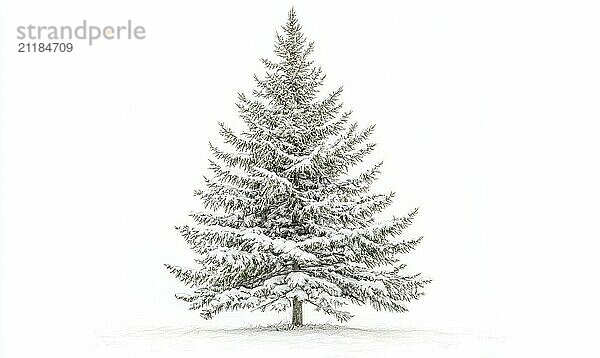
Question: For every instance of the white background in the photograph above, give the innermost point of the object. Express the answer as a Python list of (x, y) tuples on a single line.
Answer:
[(487, 118)]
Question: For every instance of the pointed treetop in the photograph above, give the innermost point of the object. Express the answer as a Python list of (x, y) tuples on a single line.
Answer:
[(294, 39), (292, 24)]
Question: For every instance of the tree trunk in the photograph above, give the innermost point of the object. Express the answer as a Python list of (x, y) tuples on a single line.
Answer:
[(296, 312)]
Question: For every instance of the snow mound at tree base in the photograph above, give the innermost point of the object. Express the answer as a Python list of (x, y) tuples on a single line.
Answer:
[(290, 327), (310, 340)]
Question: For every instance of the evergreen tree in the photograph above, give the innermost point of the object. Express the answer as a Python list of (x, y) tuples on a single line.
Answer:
[(284, 221)]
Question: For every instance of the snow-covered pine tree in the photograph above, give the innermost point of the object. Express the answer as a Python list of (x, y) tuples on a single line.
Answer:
[(284, 222)]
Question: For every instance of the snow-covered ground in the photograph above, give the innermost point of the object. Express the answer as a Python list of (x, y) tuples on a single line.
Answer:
[(309, 341)]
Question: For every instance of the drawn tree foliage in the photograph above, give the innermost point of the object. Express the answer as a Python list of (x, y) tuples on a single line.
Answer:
[(284, 222)]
